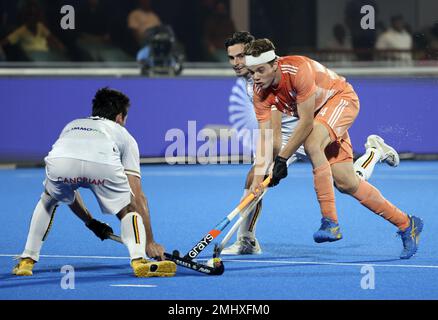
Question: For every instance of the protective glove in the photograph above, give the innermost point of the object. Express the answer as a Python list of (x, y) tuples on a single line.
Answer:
[(279, 171), (100, 229)]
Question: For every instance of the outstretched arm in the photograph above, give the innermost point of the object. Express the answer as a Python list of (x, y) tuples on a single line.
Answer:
[(79, 209), (276, 119), (303, 129), (153, 249), (100, 229), (264, 154)]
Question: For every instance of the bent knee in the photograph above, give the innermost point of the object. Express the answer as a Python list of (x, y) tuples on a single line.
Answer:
[(347, 187), (317, 141), (311, 147), (129, 208)]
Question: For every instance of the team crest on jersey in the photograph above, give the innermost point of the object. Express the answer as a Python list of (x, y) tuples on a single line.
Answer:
[(242, 115)]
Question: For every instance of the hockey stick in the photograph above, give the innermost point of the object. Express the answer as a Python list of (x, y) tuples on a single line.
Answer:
[(244, 214), (217, 270), (216, 231)]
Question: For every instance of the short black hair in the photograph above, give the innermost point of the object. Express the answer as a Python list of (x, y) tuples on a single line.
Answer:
[(243, 37), (108, 103)]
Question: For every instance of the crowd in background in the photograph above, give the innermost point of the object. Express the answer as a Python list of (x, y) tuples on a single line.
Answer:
[(113, 30), (389, 40), (109, 30)]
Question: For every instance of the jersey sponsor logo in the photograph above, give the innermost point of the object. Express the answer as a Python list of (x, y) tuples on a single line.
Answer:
[(201, 245), (84, 129), (82, 180)]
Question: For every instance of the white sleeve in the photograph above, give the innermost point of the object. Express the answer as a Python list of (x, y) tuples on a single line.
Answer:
[(131, 157), (66, 129)]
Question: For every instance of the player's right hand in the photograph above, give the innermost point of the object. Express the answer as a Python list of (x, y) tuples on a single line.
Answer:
[(256, 187), (100, 229), (155, 250)]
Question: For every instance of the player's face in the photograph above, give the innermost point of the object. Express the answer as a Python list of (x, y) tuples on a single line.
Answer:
[(263, 74), (236, 57)]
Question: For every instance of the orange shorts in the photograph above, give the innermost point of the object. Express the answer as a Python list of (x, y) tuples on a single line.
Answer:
[(337, 115)]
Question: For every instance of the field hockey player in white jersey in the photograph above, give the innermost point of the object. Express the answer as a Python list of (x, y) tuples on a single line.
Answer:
[(99, 154)]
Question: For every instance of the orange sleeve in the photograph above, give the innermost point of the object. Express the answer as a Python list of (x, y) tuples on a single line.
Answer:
[(304, 82), (262, 107)]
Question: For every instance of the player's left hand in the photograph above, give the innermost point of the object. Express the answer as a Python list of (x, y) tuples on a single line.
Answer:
[(100, 229), (279, 171), (155, 250)]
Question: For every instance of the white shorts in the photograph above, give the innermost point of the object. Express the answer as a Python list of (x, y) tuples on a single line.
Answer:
[(288, 125), (108, 183)]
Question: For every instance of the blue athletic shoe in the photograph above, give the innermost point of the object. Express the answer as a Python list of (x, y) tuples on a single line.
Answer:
[(410, 237), (329, 231)]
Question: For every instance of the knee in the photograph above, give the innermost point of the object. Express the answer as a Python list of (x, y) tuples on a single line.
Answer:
[(312, 147), (129, 208), (346, 186)]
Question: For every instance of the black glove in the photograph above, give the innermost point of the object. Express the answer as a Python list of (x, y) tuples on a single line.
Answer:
[(279, 171), (100, 229)]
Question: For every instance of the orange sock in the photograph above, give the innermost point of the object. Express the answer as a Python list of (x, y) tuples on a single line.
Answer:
[(371, 198), (323, 183)]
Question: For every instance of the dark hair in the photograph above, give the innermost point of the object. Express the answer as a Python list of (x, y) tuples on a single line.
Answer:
[(259, 46), (243, 37), (108, 103)]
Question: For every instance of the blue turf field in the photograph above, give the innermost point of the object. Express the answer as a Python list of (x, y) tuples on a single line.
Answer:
[(186, 201)]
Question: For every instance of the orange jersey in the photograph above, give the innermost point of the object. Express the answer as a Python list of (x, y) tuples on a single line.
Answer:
[(300, 78)]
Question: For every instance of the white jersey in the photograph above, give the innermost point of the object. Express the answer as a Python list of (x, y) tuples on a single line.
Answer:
[(98, 140), (250, 88)]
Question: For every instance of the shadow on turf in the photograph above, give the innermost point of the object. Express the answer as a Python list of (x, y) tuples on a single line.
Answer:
[(318, 251), (182, 272), (294, 272), (56, 270)]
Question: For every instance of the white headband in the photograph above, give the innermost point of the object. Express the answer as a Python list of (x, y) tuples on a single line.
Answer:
[(265, 57)]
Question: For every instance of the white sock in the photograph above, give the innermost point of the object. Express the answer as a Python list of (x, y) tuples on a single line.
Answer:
[(40, 224), (248, 226), (133, 235), (364, 166)]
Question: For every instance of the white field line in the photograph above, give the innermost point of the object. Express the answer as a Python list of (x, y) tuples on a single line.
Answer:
[(338, 263), (134, 285), (73, 257)]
